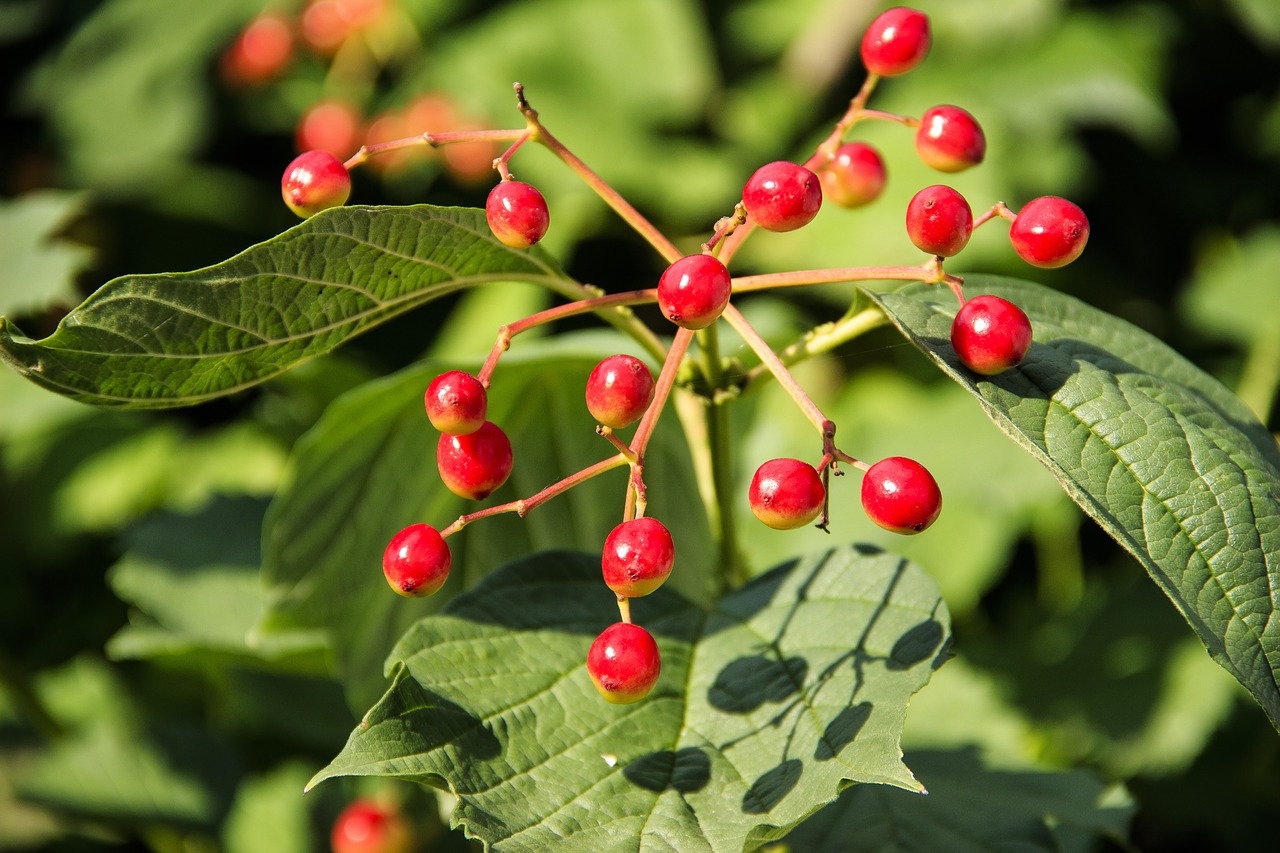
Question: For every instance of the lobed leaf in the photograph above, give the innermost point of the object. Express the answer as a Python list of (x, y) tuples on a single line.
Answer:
[(1163, 457), (176, 339), (789, 689)]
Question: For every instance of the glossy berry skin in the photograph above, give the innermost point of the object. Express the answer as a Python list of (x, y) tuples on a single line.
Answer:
[(619, 391), (1049, 232), (416, 561), (896, 41), (517, 214), (855, 176), (950, 139), (475, 464), (367, 826), (623, 663), (939, 221), (637, 557), (313, 182), (694, 291), (786, 493), (990, 334), (782, 196), (456, 403), (900, 495)]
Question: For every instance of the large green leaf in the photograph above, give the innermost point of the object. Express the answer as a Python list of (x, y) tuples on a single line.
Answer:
[(768, 705), (368, 469), (1162, 456), (179, 338)]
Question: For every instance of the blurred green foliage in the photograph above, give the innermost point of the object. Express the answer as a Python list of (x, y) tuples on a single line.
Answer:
[(139, 708)]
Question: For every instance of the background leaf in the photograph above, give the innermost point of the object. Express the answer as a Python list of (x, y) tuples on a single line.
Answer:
[(177, 339), (768, 705), (1164, 458)]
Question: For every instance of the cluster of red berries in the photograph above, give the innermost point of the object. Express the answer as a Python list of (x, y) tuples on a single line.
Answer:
[(989, 335), (267, 45)]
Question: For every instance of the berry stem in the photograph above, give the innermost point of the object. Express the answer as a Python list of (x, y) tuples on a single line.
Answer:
[(624, 609), (779, 370), (999, 209), (435, 140), (524, 506), (636, 499), (930, 272), (501, 162), (611, 197)]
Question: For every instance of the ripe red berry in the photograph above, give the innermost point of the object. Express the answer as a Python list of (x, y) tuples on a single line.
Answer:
[(517, 214), (694, 290), (990, 334), (313, 182), (950, 139), (261, 51), (367, 826), (939, 220), (416, 561), (638, 556), (782, 196), (895, 42), (475, 464), (900, 495), (332, 126), (855, 176), (623, 663), (786, 493), (1049, 232), (456, 403), (619, 391)]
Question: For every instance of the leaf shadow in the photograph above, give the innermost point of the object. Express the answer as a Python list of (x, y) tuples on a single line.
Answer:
[(686, 770), (772, 787)]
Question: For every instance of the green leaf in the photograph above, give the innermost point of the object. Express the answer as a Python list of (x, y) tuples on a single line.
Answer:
[(39, 263), (971, 807), (1164, 458), (768, 705), (368, 469), (180, 338)]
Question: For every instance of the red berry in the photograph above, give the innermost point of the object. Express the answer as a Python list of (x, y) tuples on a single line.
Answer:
[(619, 391), (517, 214), (900, 495), (261, 51), (623, 663), (416, 561), (367, 826), (638, 556), (950, 139), (694, 290), (456, 403), (939, 220), (786, 493), (313, 182), (1049, 232), (896, 41), (990, 334), (332, 126), (475, 464), (782, 196), (855, 176)]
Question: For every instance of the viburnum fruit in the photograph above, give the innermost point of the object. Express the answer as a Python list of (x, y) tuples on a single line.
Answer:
[(1049, 232), (939, 220), (990, 334), (895, 42), (332, 126), (855, 176), (456, 403), (619, 390), (782, 196), (313, 182), (367, 826), (475, 464), (694, 290), (416, 561), (261, 51), (638, 556), (786, 493), (623, 663), (950, 139), (517, 214), (900, 495)]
